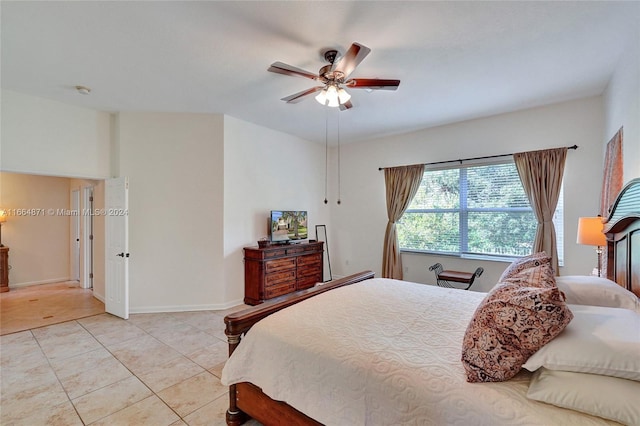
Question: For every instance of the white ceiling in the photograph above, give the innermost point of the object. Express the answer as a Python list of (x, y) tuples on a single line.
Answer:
[(456, 60)]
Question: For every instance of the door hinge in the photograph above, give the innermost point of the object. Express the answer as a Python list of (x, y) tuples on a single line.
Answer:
[(91, 237), (91, 275)]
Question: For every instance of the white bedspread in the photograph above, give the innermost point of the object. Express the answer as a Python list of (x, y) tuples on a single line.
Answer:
[(383, 352)]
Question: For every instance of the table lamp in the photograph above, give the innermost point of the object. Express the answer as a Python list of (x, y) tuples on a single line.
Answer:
[(3, 218), (590, 234)]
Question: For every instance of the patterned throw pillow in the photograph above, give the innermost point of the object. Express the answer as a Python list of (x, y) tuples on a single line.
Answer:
[(534, 270), (511, 324)]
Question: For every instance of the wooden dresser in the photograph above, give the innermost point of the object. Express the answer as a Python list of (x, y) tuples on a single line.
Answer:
[(280, 269), (4, 269)]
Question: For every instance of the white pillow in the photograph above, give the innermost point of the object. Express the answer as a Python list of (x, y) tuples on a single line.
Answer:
[(598, 340), (596, 291), (603, 396)]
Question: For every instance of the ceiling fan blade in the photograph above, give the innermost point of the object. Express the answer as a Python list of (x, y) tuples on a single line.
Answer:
[(345, 106), (282, 68), (372, 83), (297, 97), (351, 59)]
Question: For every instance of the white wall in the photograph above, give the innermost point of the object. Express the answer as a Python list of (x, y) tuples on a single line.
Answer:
[(265, 170), (175, 167), (622, 107), (41, 136), (358, 224), (38, 242)]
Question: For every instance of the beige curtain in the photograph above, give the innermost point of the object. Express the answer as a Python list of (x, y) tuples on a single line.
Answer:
[(612, 181), (541, 175), (401, 184)]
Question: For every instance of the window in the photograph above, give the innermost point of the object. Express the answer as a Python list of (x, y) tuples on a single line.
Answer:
[(473, 210)]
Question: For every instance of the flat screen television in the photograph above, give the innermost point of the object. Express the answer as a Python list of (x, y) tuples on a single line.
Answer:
[(287, 226)]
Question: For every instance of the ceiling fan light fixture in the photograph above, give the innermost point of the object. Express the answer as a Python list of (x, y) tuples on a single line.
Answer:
[(332, 96), (321, 97), (343, 95)]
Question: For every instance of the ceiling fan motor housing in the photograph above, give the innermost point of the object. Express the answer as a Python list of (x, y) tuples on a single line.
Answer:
[(330, 55)]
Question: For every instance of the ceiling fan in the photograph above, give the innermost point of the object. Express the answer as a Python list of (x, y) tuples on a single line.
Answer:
[(334, 78)]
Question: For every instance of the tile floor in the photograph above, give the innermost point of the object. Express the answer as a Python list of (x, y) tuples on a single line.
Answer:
[(154, 369)]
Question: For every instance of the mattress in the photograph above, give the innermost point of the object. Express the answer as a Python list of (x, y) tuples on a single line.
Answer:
[(383, 352)]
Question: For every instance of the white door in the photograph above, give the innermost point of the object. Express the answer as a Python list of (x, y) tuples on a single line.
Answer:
[(75, 235), (117, 247)]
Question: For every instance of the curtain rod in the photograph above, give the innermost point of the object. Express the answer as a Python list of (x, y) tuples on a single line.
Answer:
[(470, 159)]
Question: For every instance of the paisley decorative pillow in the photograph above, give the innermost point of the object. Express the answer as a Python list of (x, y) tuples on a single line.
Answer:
[(511, 324), (534, 270)]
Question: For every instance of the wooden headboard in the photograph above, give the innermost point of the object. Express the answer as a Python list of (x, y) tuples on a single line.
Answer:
[(622, 228)]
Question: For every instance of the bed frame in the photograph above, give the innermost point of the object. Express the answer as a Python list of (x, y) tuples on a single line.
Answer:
[(246, 400), (622, 228)]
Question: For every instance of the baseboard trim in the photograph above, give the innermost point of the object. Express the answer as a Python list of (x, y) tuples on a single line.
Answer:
[(184, 308), (31, 283)]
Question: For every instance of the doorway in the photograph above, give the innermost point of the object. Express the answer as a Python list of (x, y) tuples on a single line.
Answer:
[(61, 241)]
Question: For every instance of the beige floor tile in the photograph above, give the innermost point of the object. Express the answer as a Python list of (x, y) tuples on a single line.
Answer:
[(104, 373), (178, 423), (110, 399), (120, 335), (16, 341), (217, 369), (17, 361), (171, 373), (212, 414), (144, 354), (149, 411), (76, 364), (191, 394), (65, 340), (57, 330), (68, 346), (21, 404), (203, 320), (99, 324), (184, 338), (110, 330), (156, 321), (16, 380), (59, 415), (210, 356)]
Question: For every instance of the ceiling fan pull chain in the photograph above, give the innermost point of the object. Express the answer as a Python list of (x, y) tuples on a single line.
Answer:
[(326, 153), (338, 120)]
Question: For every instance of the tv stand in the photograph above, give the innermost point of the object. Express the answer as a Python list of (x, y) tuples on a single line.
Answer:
[(280, 269)]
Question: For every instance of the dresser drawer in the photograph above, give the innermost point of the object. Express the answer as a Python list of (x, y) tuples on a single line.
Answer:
[(279, 290), (307, 282), (276, 265), (279, 277), (310, 260)]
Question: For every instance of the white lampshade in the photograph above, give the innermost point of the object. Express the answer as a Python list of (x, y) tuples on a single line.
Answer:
[(590, 231), (322, 97), (332, 96), (343, 95)]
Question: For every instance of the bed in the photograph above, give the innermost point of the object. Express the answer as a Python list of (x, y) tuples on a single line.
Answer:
[(363, 350)]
